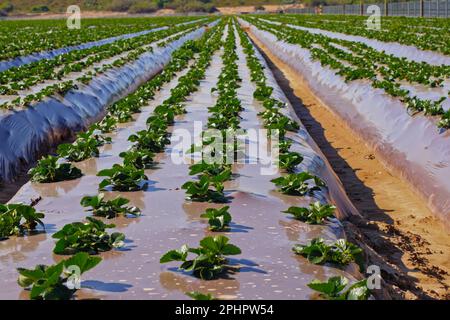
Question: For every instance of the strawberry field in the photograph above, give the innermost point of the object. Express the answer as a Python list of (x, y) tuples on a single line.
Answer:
[(164, 160)]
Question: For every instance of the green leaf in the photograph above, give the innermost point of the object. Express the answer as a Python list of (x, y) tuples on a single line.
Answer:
[(230, 249), (199, 296)]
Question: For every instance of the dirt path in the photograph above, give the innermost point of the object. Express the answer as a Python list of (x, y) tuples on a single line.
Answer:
[(397, 230)]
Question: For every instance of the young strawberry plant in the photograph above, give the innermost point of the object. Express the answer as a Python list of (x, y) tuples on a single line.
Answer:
[(138, 158), (200, 296), (316, 213), (109, 208), (84, 147), (282, 124), (50, 169), (273, 119), (157, 124), (219, 172), (165, 112), (262, 92), (16, 219), (52, 282), (210, 261), (221, 151), (298, 183), (284, 146), (123, 178), (90, 237), (333, 289), (218, 219), (121, 115), (107, 125), (205, 190), (318, 252), (288, 161), (153, 141), (445, 120)]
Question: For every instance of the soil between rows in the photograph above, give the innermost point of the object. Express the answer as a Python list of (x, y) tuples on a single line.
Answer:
[(397, 229)]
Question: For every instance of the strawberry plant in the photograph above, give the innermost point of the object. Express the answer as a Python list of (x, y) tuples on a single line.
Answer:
[(51, 282), (282, 124), (220, 171), (218, 219), (210, 259), (273, 119), (200, 296), (16, 219), (109, 208), (284, 146), (262, 92), (123, 178), (178, 108), (333, 289), (316, 213), (121, 115), (206, 189), (49, 169), (298, 183), (165, 113), (107, 125), (290, 160), (84, 147), (138, 158), (90, 237), (445, 120), (318, 252), (149, 140), (220, 152), (157, 124)]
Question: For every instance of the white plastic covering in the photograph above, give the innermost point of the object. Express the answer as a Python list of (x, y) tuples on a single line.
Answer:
[(413, 147), (396, 49), (28, 133)]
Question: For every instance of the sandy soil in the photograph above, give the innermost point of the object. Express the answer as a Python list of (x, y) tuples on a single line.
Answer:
[(248, 9), (92, 14), (85, 14), (397, 229), (163, 12)]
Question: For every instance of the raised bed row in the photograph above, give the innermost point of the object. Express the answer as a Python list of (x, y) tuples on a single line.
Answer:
[(410, 146)]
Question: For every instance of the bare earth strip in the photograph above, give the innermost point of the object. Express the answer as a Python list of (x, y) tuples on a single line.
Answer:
[(397, 229)]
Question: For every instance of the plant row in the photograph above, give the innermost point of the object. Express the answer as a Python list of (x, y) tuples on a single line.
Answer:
[(426, 34), (209, 259), (24, 37), (361, 62), (318, 251), (25, 76)]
